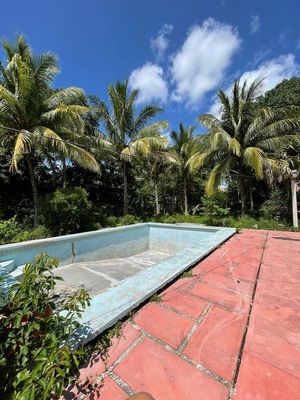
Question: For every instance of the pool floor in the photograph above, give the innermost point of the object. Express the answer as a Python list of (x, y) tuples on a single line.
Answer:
[(98, 276)]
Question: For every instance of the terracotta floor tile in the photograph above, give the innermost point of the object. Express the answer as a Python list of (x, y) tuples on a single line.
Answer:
[(163, 323), (229, 299), (151, 368), (274, 333), (109, 390), (96, 366), (185, 303), (216, 342), (230, 282), (258, 380)]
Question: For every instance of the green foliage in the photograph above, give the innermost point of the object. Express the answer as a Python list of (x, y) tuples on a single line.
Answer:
[(155, 298), (35, 358), (128, 220), (11, 232), (186, 274), (285, 93), (276, 206), (67, 211), (212, 210), (111, 221)]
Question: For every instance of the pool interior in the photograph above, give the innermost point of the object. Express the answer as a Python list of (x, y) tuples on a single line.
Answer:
[(151, 246), (120, 267), (100, 275)]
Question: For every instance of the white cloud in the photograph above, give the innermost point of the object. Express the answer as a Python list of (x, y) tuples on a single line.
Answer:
[(160, 44), (272, 71), (149, 80), (254, 24), (200, 64)]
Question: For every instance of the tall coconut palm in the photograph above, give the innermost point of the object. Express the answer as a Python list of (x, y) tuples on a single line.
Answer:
[(150, 150), (185, 146), (32, 116), (123, 125), (245, 138)]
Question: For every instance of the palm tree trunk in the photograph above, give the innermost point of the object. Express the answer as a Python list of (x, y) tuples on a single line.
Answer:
[(186, 212), (64, 173), (34, 191), (242, 188), (157, 205), (251, 197), (125, 187)]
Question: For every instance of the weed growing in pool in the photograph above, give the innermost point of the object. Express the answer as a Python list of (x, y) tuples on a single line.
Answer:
[(35, 358), (155, 298)]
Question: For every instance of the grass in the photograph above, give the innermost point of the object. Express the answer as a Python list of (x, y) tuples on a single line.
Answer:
[(155, 298), (187, 274), (11, 231), (240, 222)]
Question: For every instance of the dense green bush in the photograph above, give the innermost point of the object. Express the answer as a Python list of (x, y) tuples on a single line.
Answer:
[(36, 360), (276, 206), (212, 210), (67, 211), (128, 220), (11, 232), (111, 221)]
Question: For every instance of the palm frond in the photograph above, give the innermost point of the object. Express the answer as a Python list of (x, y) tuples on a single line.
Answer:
[(22, 146), (254, 158)]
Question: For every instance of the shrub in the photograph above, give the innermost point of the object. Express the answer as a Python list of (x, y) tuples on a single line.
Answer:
[(212, 210), (111, 221), (128, 220), (276, 206), (36, 360), (11, 232), (67, 211)]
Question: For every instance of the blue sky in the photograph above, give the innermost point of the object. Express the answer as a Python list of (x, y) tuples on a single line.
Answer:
[(177, 52)]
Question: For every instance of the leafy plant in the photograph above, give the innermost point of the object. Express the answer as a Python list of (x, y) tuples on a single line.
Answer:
[(212, 210), (67, 211), (186, 274), (36, 360), (155, 298), (276, 206), (128, 220), (11, 231)]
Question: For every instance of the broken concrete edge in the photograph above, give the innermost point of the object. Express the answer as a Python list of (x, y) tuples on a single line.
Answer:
[(114, 304)]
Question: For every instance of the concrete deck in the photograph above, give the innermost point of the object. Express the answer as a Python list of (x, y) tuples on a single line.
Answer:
[(97, 276), (231, 331)]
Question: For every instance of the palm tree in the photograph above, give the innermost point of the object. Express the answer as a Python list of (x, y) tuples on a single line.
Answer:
[(33, 117), (245, 139), (185, 146), (123, 126), (150, 150)]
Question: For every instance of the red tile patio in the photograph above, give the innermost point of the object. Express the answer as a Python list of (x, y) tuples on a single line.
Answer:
[(230, 332)]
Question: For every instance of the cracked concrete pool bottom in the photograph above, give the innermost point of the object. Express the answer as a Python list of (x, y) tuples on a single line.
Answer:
[(98, 276)]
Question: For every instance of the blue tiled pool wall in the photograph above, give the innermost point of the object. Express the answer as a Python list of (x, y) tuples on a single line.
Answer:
[(96, 245), (108, 243), (171, 239)]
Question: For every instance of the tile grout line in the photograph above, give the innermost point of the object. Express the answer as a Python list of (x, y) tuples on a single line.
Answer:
[(225, 288), (182, 314), (185, 358), (191, 332), (123, 385), (223, 306), (240, 355), (109, 371)]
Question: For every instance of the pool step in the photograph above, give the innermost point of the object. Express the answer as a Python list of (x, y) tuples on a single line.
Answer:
[(6, 267)]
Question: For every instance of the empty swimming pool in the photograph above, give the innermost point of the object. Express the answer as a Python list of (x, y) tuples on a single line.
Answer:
[(120, 267)]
